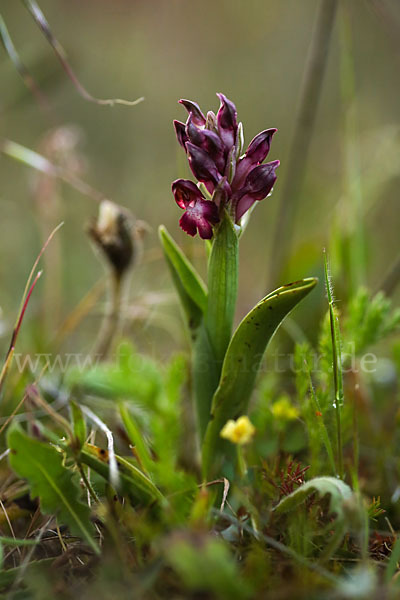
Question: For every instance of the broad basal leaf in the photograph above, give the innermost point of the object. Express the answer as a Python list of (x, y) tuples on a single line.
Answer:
[(241, 365), (49, 480)]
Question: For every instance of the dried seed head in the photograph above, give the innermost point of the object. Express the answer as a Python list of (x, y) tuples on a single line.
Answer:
[(113, 234)]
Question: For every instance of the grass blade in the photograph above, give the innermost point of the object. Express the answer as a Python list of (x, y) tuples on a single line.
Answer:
[(19, 65), (42, 164), (337, 365), (41, 21)]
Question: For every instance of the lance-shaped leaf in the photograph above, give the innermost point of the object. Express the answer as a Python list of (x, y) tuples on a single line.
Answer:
[(340, 495), (55, 485), (191, 289), (241, 365)]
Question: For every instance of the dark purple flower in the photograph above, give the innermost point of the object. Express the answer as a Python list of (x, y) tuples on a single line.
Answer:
[(212, 147), (255, 154), (180, 130), (194, 110), (227, 122), (203, 167), (207, 140), (200, 214), (259, 182)]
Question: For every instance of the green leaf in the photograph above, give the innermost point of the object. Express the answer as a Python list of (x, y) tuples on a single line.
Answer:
[(135, 437), (205, 374), (370, 319), (78, 424), (340, 495), (132, 481), (222, 287), (9, 576), (133, 376), (206, 565), (241, 365), (55, 485), (191, 289), (10, 541)]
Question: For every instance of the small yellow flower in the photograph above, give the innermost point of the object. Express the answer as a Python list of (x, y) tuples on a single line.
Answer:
[(238, 432), (283, 409)]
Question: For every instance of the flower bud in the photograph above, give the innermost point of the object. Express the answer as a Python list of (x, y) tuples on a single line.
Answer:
[(180, 130), (208, 141), (256, 153), (202, 165), (259, 146), (194, 110), (259, 182), (227, 122)]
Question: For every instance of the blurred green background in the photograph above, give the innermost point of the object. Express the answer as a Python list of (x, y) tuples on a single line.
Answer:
[(256, 53)]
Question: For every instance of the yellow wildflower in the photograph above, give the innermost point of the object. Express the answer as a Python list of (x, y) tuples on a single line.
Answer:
[(238, 432), (283, 409)]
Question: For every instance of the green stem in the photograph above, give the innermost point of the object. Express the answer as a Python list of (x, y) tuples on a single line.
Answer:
[(222, 288), (216, 329), (241, 463), (337, 366)]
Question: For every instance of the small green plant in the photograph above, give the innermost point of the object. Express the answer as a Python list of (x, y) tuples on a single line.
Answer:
[(224, 364)]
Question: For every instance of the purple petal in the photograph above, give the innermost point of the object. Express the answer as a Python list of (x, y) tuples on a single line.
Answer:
[(205, 229), (256, 153), (227, 121), (186, 192), (260, 180), (202, 165), (243, 206), (208, 141), (180, 130), (188, 224), (259, 146), (201, 216), (194, 110)]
